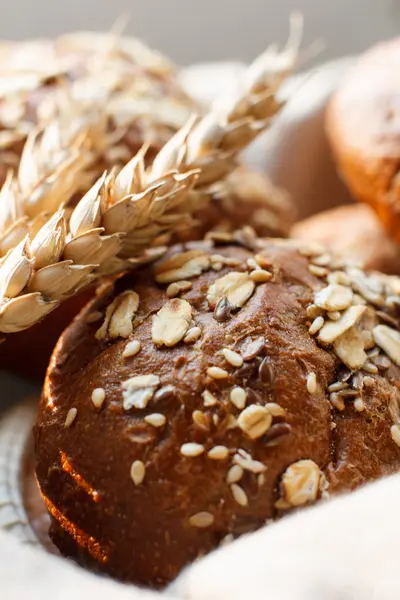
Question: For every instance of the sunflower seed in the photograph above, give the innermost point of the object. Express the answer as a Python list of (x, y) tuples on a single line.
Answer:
[(138, 472)]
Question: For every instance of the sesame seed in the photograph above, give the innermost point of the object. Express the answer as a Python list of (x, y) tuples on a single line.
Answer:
[(336, 400), (248, 463), (238, 397), (156, 419), (177, 287), (314, 311), (218, 453), (166, 393), (260, 276), (359, 405), (395, 433), (262, 261), (339, 277), (232, 357), (337, 386), (98, 397), (231, 422), (322, 261), (370, 367), (201, 520), (138, 471), (131, 349), (275, 409), (348, 393), (334, 315), (200, 419), (239, 494), (228, 539), (252, 263), (191, 449), (235, 474), (192, 335), (217, 266), (215, 419), (209, 398), (94, 316), (318, 271), (260, 479), (312, 383), (71, 416), (316, 325), (217, 373)]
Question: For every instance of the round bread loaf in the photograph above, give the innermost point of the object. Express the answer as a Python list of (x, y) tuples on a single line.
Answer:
[(246, 197), (353, 232), (231, 383), (136, 88), (363, 124)]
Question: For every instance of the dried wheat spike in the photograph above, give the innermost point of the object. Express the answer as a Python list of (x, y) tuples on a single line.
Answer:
[(55, 164), (137, 89), (123, 213)]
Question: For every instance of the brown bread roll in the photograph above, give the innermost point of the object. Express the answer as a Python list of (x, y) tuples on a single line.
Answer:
[(137, 90), (363, 127), (246, 197), (228, 385), (353, 231)]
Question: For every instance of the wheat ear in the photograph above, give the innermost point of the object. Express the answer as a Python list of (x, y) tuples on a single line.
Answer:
[(123, 213)]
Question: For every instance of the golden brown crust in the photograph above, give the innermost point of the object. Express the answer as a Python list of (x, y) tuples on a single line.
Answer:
[(362, 124), (352, 231), (139, 502), (246, 197)]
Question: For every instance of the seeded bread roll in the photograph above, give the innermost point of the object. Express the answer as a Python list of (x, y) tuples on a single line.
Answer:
[(245, 197), (353, 231), (363, 127), (232, 383)]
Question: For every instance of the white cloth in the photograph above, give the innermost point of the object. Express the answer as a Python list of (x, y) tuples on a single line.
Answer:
[(345, 549)]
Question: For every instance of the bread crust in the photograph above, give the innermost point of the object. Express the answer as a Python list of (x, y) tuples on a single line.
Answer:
[(363, 127), (355, 232), (132, 498)]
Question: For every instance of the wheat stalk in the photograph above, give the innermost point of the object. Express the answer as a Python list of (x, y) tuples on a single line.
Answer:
[(123, 213)]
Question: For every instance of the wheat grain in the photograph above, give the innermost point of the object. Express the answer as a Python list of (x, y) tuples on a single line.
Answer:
[(122, 213)]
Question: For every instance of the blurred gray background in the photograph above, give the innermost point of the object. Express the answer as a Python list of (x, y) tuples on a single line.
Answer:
[(195, 30)]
